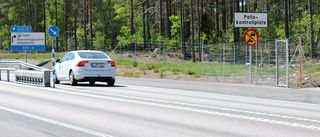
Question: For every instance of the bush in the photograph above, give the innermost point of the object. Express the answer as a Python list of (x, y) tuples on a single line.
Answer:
[(134, 63), (175, 70), (131, 74), (161, 74), (197, 75), (155, 70), (189, 72), (153, 55)]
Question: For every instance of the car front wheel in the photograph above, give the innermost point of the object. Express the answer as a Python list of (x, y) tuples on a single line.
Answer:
[(56, 80)]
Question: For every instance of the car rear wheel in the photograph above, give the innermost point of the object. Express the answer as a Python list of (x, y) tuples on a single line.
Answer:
[(110, 82), (72, 81)]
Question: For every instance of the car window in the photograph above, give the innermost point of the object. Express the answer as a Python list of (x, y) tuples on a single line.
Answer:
[(93, 55), (70, 57), (65, 57)]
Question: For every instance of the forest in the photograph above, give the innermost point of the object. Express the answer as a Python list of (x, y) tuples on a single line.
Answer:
[(184, 21)]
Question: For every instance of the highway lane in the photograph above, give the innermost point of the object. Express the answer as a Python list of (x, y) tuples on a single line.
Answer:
[(137, 108)]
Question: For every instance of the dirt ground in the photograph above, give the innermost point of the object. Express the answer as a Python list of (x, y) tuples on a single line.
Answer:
[(135, 72)]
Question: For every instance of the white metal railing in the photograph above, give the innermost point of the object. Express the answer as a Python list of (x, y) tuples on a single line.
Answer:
[(37, 76), (8, 72)]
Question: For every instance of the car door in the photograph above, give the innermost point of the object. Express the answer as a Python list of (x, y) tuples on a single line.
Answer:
[(62, 70), (68, 64)]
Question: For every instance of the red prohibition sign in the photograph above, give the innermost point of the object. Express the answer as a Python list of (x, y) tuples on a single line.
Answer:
[(251, 37)]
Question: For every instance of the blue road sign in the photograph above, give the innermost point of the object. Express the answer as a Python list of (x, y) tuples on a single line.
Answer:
[(20, 28), (53, 31), (27, 47), (27, 41)]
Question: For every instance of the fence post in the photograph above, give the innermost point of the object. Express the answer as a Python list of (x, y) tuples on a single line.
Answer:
[(250, 48), (247, 58), (287, 56), (202, 54), (135, 50), (256, 61), (224, 62), (300, 62), (149, 50), (234, 63), (221, 57), (269, 52), (261, 66), (164, 50), (277, 66), (120, 50), (182, 54)]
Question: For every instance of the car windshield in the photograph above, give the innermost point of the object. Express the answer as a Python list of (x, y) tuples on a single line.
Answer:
[(92, 55)]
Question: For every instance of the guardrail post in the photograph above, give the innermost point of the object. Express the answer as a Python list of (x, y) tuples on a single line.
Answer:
[(8, 75), (46, 78)]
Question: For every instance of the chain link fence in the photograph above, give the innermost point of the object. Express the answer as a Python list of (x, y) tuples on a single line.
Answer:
[(222, 63)]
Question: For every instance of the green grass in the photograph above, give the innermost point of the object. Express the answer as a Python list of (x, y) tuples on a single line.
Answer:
[(31, 56), (187, 68)]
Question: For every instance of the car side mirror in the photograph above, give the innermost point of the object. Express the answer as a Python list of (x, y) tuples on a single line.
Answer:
[(58, 60)]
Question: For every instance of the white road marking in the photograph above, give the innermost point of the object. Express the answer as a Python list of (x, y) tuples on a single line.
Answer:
[(201, 106), (230, 115), (88, 131)]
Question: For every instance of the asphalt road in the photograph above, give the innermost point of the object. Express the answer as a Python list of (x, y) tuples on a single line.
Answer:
[(157, 108)]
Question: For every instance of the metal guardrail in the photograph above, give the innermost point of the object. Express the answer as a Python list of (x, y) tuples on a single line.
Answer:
[(23, 64), (39, 76), (8, 72)]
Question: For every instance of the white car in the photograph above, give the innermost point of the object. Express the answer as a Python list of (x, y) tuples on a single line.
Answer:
[(85, 65)]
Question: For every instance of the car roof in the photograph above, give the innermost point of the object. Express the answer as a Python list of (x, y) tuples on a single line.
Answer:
[(86, 51)]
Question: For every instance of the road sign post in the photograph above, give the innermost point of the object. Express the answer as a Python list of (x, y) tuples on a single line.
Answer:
[(251, 38), (53, 32)]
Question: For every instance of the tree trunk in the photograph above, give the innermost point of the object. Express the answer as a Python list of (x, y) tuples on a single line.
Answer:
[(44, 17), (35, 14), (160, 15), (192, 31), (75, 24), (286, 18), (91, 36), (131, 19), (110, 20), (144, 24), (255, 6), (65, 25), (268, 8), (56, 13), (231, 12), (242, 3), (199, 30), (182, 28), (26, 14), (312, 50), (217, 16), (224, 16), (148, 28), (168, 20), (85, 23), (236, 30)]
